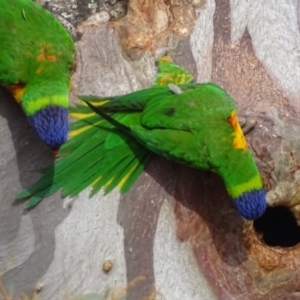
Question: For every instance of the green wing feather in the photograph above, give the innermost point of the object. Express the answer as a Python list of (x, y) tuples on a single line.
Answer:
[(96, 155), (177, 125)]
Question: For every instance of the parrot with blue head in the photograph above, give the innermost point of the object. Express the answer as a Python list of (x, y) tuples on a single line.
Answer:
[(36, 58)]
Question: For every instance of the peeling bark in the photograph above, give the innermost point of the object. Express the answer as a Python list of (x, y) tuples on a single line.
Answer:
[(148, 23)]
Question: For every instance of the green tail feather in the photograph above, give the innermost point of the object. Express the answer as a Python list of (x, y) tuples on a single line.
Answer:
[(97, 154), (86, 160)]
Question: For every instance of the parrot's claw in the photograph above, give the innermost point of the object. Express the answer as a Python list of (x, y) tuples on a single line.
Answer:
[(246, 124)]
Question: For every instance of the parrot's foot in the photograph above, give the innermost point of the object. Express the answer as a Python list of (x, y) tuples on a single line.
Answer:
[(246, 123)]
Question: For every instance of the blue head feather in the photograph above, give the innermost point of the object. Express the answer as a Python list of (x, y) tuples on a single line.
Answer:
[(51, 124), (251, 205)]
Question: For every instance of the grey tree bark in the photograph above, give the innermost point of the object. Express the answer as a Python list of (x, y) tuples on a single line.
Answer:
[(175, 235)]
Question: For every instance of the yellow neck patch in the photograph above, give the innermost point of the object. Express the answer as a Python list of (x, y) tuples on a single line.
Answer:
[(254, 183), (31, 107), (239, 141)]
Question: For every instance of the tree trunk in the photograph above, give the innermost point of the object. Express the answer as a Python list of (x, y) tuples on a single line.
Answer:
[(175, 235)]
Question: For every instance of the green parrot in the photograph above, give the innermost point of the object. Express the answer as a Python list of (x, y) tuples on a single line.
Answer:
[(36, 58), (189, 123)]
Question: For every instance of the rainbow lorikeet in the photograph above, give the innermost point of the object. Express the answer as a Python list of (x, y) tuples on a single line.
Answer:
[(192, 124), (36, 57)]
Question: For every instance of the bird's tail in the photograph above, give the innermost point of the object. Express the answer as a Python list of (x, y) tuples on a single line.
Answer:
[(97, 154), (121, 157)]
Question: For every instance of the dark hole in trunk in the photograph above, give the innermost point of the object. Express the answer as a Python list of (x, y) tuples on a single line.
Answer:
[(278, 227)]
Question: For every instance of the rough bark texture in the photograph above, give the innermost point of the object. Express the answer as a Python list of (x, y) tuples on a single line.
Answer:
[(175, 235)]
